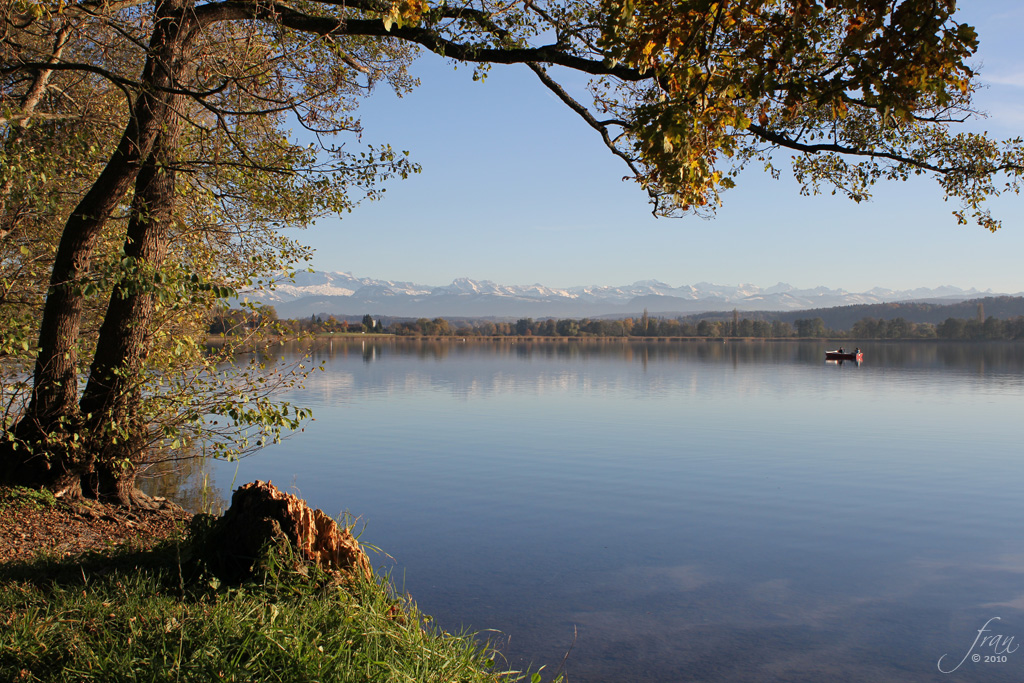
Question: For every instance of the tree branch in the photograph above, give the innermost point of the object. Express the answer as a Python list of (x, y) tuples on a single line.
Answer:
[(428, 38), (789, 143), (584, 113)]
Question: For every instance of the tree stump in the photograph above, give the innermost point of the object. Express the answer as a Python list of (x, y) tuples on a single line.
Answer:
[(261, 516)]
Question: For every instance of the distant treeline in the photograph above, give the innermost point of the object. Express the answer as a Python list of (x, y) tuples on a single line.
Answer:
[(977, 327), (647, 326), (991, 328), (230, 321), (845, 317), (644, 326)]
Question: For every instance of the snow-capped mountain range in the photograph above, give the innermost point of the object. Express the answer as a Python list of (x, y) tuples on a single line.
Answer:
[(339, 294)]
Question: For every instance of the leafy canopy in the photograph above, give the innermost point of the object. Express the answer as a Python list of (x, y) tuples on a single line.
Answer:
[(860, 90)]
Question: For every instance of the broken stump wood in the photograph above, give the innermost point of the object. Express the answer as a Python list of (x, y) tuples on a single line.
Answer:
[(262, 515)]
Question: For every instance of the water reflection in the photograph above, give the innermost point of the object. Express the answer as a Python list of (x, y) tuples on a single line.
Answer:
[(976, 358), (616, 367), (695, 511), (186, 479)]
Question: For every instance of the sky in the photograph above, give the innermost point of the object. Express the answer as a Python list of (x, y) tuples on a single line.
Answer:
[(516, 189)]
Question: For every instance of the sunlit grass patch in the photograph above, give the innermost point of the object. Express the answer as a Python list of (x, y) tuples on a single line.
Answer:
[(156, 616)]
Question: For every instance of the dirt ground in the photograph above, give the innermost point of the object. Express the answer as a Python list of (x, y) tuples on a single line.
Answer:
[(29, 528)]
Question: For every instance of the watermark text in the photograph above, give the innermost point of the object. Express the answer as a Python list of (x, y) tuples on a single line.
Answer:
[(987, 647)]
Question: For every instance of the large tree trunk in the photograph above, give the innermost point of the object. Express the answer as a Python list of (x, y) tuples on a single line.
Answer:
[(47, 452), (109, 404)]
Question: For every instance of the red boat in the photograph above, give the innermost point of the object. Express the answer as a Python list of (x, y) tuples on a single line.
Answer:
[(857, 355)]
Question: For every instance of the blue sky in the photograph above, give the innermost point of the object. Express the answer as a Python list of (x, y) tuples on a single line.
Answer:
[(516, 189)]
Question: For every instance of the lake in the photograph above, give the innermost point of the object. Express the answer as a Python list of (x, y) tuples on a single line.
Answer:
[(669, 511)]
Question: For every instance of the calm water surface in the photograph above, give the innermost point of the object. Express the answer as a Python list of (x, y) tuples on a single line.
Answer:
[(684, 511)]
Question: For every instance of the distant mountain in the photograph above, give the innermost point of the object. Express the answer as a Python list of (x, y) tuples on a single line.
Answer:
[(322, 293)]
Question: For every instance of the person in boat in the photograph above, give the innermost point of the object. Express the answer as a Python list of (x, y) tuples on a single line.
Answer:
[(856, 351), (840, 349)]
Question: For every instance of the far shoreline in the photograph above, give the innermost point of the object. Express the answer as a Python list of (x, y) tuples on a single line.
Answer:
[(377, 336)]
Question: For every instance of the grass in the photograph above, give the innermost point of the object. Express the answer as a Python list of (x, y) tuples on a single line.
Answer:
[(157, 616), (18, 497)]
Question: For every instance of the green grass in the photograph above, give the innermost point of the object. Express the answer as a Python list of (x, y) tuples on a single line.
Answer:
[(19, 497), (152, 616)]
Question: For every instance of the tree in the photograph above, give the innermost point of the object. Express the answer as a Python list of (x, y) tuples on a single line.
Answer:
[(440, 327), (93, 442), (781, 329), (643, 328), (867, 328), (993, 328), (952, 328), (810, 327), (567, 328), (687, 94), (897, 328)]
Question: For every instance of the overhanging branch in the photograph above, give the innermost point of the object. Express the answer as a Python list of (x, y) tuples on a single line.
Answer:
[(789, 143), (425, 37)]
